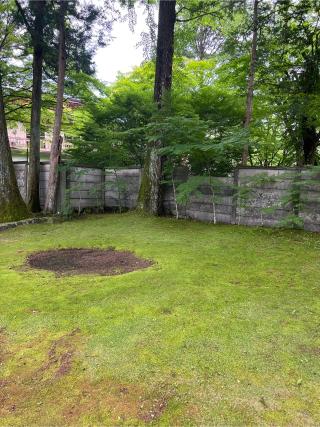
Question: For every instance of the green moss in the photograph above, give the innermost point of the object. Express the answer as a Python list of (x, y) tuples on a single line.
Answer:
[(145, 187), (13, 211), (222, 330)]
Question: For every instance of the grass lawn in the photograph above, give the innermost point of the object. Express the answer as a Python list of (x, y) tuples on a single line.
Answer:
[(224, 328)]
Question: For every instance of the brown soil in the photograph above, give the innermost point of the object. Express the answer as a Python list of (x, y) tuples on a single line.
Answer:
[(3, 351), (314, 351), (107, 262), (128, 407), (18, 390), (53, 389), (60, 356)]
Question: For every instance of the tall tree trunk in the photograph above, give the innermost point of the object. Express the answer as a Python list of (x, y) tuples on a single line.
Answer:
[(310, 81), (165, 47), (12, 207), (150, 195), (253, 61), (50, 203), (310, 142), (34, 162)]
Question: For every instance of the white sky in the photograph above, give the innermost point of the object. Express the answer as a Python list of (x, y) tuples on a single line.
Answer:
[(122, 54)]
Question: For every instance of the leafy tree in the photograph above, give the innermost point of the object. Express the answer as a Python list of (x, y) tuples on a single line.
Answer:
[(12, 206), (149, 195), (251, 77), (86, 27), (299, 31), (109, 128), (34, 17), (56, 139)]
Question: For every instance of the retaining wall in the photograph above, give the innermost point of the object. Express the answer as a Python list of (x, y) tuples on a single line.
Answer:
[(250, 196)]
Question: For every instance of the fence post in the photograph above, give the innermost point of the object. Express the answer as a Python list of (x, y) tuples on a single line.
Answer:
[(235, 196)]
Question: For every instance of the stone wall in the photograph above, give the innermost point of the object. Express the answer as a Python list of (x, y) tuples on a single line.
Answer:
[(279, 196), (251, 196)]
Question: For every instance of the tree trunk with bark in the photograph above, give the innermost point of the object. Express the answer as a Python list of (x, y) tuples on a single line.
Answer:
[(253, 61), (310, 81), (150, 191), (50, 204), (12, 207), (34, 158), (310, 142)]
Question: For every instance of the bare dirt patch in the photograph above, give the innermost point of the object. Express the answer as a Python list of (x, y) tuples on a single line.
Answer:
[(3, 341), (27, 382), (60, 356), (122, 404), (154, 409), (314, 351), (108, 262), (54, 390)]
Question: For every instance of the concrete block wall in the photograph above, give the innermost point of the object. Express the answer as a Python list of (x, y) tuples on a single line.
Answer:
[(264, 203), (21, 173), (122, 188), (204, 205), (251, 196), (310, 200), (21, 169), (268, 203), (85, 187)]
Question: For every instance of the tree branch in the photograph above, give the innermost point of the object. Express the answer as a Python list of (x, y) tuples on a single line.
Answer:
[(28, 105), (195, 17), (4, 39), (24, 18), (49, 75)]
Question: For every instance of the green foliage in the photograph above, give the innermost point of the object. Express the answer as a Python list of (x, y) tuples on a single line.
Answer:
[(205, 153), (111, 131), (189, 188), (117, 128), (88, 26), (119, 184), (116, 123)]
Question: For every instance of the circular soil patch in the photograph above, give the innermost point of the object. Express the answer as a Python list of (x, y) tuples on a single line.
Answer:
[(107, 262)]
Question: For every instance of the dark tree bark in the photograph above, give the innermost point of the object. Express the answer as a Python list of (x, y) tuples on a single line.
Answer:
[(33, 199), (12, 207), (310, 81), (165, 47), (310, 142), (150, 191), (50, 203), (252, 69), (36, 30)]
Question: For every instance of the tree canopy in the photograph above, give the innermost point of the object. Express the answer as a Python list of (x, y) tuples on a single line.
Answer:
[(202, 123)]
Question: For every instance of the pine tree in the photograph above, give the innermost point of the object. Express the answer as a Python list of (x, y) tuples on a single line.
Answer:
[(12, 207)]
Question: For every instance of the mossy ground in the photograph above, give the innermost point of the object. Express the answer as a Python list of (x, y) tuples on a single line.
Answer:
[(222, 330), (14, 211)]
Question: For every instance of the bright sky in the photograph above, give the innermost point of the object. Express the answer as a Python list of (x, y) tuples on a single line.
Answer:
[(122, 54)]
